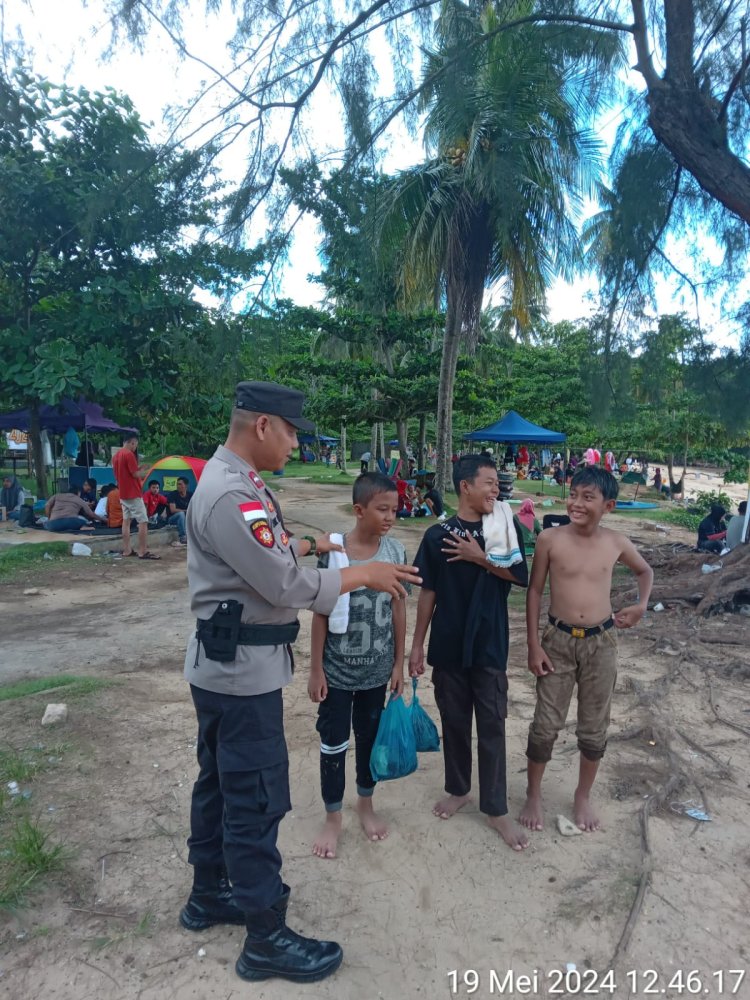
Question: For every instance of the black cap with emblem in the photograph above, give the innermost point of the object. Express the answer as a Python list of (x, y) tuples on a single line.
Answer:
[(275, 400)]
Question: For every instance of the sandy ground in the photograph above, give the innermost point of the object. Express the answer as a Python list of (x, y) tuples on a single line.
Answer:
[(436, 896)]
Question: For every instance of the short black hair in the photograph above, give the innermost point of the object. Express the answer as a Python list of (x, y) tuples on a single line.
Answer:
[(183, 479), (600, 479), (90, 482), (75, 489), (742, 509), (152, 481), (369, 484), (129, 436), (106, 489), (467, 468)]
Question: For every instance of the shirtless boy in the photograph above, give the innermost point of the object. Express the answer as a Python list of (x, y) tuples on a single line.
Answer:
[(578, 645)]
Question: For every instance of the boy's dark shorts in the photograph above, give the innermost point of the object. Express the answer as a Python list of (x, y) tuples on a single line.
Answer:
[(591, 664)]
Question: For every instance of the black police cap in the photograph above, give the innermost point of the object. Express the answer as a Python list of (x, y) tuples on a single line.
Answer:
[(276, 400)]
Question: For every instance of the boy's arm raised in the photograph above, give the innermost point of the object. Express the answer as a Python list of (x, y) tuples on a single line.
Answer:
[(539, 663), (425, 607), (398, 613), (317, 686), (644, 576)]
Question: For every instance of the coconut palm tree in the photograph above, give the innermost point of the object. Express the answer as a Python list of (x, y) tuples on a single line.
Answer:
[(510, 159)]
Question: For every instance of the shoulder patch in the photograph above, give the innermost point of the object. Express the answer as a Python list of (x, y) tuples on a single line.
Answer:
[(270, 505), (284, 538), (252, 510), (256, 480), (261, 532)]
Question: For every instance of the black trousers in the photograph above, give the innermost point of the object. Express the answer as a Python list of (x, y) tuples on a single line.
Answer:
[(242, 792), (459, 695), (337, 715)]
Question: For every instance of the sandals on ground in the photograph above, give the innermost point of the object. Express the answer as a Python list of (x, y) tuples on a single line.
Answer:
[(149, 555)]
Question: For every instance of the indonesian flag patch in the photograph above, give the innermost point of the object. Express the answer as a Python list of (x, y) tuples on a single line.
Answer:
[(262, 533), (253, 510)]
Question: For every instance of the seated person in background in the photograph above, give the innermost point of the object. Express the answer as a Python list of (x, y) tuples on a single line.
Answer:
[(88, 492), (535, 473), (11, 497), (522, 472), (530, 527), (434, 500), (557, 473), (67, 512), (101, 508), (154, 500), (404, 508), (114, 507), (712, 530), (734, 530), (179, 500)]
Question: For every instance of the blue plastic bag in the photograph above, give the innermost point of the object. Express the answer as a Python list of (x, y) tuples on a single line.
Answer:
[(425, 731), (394, 752)]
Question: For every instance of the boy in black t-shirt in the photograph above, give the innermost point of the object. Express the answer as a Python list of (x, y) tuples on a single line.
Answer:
[(465, 599)]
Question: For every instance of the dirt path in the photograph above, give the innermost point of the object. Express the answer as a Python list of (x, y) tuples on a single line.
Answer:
[(435, 897)]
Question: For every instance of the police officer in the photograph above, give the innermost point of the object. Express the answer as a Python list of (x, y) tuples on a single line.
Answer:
[(245, 588)]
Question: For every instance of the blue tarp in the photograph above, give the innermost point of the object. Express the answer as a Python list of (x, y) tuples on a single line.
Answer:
[(312, 438), (515, 429)]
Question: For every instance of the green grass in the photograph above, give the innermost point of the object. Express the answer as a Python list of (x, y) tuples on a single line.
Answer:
[(316, 473), (19, 557), (29, 855), (74, 686), (143, 928), (27, 851)]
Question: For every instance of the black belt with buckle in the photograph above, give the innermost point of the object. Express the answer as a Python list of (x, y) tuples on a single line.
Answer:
[(581, 633)]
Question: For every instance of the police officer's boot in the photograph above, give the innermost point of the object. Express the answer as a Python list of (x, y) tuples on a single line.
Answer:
[(272, 949), (210, 901)]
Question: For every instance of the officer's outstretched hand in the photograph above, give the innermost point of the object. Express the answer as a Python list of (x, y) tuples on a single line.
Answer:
[(389, 577), (324, 544)]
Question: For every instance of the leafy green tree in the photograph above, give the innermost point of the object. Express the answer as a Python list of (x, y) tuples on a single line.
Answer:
[(97, 275)]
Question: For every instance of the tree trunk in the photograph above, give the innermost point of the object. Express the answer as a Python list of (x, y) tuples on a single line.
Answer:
[(37, 452), (381, 435), (422, 442), (448, 362), (401, 434), (684, 119), (374, 441), (342, 447)]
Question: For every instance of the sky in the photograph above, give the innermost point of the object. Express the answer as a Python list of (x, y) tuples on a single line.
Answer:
[(68, 40)]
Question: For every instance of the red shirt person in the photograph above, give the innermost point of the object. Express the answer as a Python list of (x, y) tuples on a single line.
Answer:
[(128, 475), (155, 501)]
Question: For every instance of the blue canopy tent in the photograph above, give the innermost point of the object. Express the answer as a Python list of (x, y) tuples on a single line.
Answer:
[(515, 429)]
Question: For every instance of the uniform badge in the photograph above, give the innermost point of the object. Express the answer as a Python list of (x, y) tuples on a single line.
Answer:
[(270, 506), (284, 538), (262, 533), (256, 480)]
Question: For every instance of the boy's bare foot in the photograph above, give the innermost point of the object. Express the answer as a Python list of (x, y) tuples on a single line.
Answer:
[(584, 815), (532, 814), (375, 828), (449, 806), (512, 835), (327, 840)]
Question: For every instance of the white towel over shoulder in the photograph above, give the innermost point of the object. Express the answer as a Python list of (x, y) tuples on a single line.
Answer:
[(338, 620), (500, 541)]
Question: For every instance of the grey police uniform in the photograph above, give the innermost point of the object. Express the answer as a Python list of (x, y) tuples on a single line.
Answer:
[(238, 550)]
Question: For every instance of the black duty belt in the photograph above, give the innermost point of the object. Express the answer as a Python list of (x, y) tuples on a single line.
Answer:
[(581, 633), (261, 635)]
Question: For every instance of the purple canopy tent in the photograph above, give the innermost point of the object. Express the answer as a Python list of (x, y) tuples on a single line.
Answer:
[(81, 416)]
